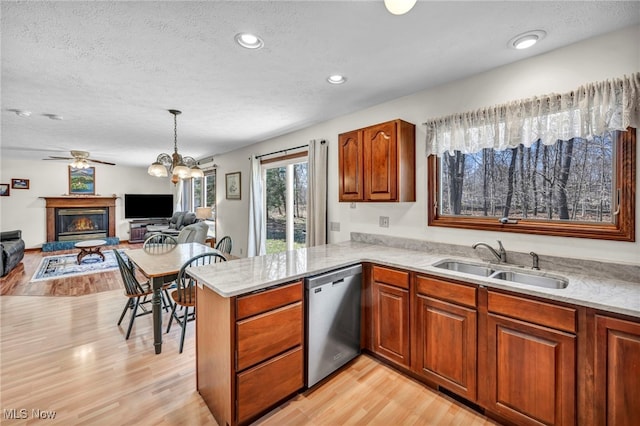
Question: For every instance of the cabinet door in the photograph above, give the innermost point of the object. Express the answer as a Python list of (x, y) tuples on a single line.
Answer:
[(350, 166), (137, 233), (617, 371), (391, 322), (447, 345), (530, 372), (381, 162)]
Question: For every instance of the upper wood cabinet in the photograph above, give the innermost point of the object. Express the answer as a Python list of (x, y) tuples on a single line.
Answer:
[(378, 163)]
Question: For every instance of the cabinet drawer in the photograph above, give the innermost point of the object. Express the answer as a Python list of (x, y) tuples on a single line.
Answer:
[(258, 303), (391, 277), (265, 335), (541, 313), (266, 384), (444, 290)]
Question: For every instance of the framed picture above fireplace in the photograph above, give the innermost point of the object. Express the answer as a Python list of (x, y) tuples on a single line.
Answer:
[(82, 181)]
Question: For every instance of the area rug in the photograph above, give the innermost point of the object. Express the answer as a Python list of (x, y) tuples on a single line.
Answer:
[(66, 265)]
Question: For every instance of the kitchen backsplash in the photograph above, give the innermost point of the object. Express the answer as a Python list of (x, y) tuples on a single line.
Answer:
[(592, 268)]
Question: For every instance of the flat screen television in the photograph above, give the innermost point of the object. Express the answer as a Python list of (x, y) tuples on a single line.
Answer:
[(147, 206)]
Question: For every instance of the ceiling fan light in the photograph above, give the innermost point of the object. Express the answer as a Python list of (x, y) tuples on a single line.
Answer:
[(196, 172), (399, 7), (157, 169), (79, 163)]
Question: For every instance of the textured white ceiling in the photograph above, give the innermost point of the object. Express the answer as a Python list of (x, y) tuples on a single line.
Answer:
[(112, 69)]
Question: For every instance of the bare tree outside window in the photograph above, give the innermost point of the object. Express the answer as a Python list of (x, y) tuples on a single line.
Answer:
[(569, 181)]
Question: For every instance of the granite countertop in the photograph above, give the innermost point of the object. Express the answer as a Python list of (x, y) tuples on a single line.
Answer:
[(250, 274)]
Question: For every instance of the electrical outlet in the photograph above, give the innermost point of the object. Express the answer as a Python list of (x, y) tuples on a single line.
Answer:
[(384, 221), (334, 226), (353, 205), (240, 251)]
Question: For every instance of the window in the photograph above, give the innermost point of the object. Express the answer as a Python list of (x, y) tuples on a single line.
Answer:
[(286, 202), (204, 195), (204, 191), (574, 188)]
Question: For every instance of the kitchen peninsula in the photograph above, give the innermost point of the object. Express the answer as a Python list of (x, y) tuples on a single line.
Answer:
[(250, 330)]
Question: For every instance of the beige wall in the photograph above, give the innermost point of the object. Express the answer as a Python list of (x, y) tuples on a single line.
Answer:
[(601, 58), (25, 210)]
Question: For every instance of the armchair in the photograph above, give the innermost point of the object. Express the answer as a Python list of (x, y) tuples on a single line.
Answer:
[(12, 246)]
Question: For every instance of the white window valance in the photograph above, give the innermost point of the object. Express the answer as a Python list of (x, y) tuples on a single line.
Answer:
[(590, 110)]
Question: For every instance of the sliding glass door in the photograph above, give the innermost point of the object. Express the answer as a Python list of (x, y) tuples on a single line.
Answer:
[(286, 204)]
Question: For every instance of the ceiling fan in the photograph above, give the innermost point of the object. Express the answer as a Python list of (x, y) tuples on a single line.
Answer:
[(80, 159)]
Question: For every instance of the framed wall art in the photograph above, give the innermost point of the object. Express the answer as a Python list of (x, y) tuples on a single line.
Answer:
[(20, 183), (4, 190), (82, 181), (233, 185)]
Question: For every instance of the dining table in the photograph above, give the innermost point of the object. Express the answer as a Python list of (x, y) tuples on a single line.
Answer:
[(161, 267)]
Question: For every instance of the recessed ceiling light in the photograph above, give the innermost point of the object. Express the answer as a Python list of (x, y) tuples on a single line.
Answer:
[(249, 41), (399, 7), (21, 112), (525, 40), (54, 116), (336, 79)]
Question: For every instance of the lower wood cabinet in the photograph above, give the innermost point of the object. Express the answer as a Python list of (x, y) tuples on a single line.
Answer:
[(617, 371), (446, 335), (529, 374), (249, 351), (267, 383), (390, 314)]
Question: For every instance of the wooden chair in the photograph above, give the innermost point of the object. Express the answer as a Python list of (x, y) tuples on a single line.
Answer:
[(134, 290), (160, 243), (224, 245), (185, 293)]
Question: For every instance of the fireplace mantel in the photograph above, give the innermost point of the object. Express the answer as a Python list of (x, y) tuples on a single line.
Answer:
[(52, 203)]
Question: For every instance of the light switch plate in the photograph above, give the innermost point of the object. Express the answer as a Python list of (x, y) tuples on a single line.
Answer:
[(384, 221)]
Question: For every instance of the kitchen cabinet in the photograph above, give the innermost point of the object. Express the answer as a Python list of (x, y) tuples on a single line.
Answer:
[(529, 366), (350, 166), (377, 163), (390, 314), (259, 338), (617, 371), (445, 334)]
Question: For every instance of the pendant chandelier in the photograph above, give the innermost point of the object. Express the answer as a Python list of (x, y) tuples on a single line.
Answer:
[(179, 166)]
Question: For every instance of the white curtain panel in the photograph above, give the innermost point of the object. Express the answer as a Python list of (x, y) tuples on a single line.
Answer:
[(317, 193), (257, 227), (590, 110), (177, 195)]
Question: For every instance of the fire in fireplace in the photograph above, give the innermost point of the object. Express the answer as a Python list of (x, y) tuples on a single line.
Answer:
[(81, 223)]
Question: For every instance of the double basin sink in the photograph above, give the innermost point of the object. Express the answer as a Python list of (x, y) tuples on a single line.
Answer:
[(489, 271)]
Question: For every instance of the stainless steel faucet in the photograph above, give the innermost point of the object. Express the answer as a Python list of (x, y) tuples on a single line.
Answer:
[(501, 254), (535, 261)]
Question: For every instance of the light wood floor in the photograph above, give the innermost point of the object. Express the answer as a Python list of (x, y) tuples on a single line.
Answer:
[(66, 354)]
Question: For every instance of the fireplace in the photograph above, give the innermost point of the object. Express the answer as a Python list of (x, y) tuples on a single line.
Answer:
[(80, 218), (81, 224)]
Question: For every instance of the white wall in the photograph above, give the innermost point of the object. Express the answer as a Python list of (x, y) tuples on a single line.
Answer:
[(24, 209), (609, 56)]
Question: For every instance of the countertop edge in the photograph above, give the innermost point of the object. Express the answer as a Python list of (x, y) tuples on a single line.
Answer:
[(322, 257)]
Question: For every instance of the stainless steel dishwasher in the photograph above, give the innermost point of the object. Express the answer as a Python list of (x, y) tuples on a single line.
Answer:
[(333, 321)]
